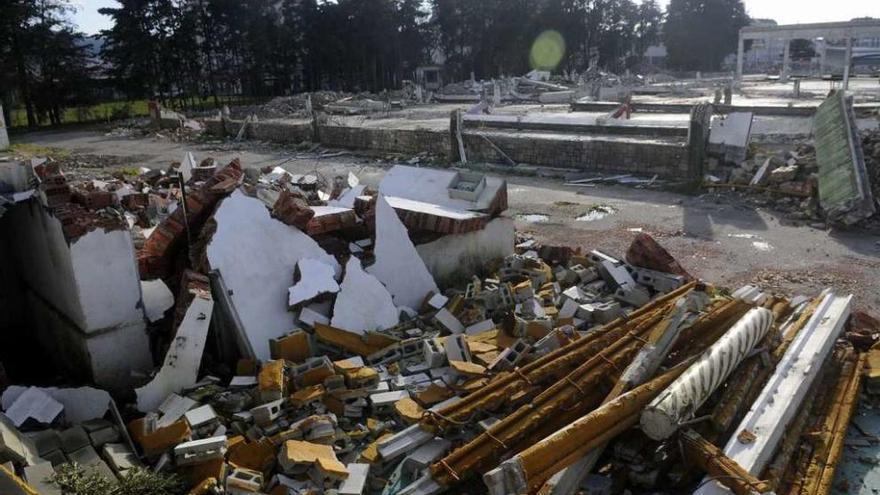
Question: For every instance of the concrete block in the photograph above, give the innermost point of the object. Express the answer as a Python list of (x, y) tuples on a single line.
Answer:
[(265, 414), (199, 451), (480, 327), (241, 481), (633, 295), (45, 441), (403, 442), (434, 354), (449, 321), (120, 457), (510, 357), (356, 482), (89, 460), (173, 408), (425, 455), (201, 416), (37, 474), (383, 401), (74, 438), (457, 348)]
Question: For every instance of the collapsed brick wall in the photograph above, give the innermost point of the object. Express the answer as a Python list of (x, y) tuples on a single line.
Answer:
[(643, 157)]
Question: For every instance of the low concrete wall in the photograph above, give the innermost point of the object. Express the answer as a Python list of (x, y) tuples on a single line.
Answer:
[(644, 157), (664, 157), (390, 140), (271, 131)]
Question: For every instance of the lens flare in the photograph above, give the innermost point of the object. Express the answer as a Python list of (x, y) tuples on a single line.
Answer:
[(547, 50)]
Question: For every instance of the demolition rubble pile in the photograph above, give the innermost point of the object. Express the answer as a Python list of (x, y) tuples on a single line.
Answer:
[(834, 179), (312, 350)]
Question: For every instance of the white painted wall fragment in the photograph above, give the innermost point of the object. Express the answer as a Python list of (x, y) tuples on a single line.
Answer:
[(181, 366), (316, 278), (346, 200), (398, 264), (157, 299), (363, 303), (187, 164), (465, 253), (256, 255)]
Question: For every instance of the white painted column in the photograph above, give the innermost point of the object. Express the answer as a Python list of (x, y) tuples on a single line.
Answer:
[(4, 137), (739, 58), (847, 61), (786, 61)]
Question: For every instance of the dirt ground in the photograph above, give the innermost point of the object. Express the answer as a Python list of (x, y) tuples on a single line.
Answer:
[(719, 238)]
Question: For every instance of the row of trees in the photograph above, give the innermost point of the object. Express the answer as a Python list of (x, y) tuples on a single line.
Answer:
[(184, 49), (43, 61)]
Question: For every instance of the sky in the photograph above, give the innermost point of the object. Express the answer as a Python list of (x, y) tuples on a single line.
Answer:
[(783, 11)]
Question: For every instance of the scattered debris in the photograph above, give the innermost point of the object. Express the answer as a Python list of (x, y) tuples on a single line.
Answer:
[(330, 338)]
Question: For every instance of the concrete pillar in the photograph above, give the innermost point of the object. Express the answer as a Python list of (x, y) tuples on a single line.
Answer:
[(823, 56), (847, 61), (739, 58), (786, 61)]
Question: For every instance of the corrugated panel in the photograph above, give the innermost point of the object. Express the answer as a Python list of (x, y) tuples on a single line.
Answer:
[(843, 189)]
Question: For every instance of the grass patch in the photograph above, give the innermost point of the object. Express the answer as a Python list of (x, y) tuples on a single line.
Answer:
[(30, 150), (119, 110)]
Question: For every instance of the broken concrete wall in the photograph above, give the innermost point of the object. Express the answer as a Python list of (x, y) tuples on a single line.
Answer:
[(412, 141), (668, 159), (378, 139), (84, 293), (460, 255), (286, 131)]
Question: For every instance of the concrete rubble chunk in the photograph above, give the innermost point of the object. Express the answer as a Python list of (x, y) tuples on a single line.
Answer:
[(363, 303), (14, 446), (398, 265), (157, 299), (181, 365), (80, 404), (316, 278), (34, 404), (647, 253)]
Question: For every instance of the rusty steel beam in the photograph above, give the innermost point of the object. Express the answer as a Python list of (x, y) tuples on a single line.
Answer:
[(713, 462), (529, 469), (557, 363), (826, 455), (642, 368), (485, 450), (662, 417)]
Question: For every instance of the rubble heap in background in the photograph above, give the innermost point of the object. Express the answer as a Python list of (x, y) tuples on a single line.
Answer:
[(329, 337), (834, 179)]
